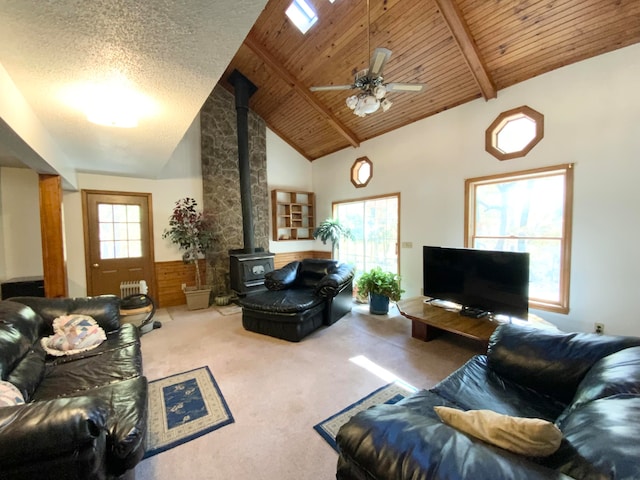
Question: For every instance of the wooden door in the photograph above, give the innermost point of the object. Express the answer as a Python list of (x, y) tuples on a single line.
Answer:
[(118, 234)]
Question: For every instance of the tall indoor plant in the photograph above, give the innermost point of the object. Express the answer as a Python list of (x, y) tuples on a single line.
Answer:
[(381, 287), (192, 232), (332, 230)]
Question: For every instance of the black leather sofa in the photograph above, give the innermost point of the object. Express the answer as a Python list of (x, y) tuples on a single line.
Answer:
[(300, 298), (85, 415), (589, 385)]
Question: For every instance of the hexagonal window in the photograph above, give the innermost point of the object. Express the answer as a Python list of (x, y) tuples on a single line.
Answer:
[(361, 172), (514, 133)]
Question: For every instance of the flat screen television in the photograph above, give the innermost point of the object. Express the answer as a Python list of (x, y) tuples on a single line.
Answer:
[(491, 281)]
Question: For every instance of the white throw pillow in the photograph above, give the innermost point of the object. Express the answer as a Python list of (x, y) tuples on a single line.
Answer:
[(73, 334), (527, 436), (10, 395)]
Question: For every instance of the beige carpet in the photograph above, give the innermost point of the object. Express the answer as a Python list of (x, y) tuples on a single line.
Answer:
[(278, 390)]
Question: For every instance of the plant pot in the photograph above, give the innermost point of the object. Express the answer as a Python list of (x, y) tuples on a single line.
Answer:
[(359, 298), (378, 304), (222, 300), (197, 299)]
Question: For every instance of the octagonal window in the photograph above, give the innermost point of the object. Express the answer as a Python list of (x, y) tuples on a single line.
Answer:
[(361, 172), (514, 133)]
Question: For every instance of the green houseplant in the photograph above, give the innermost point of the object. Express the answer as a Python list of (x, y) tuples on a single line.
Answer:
[(332, 230), (381, 287), (191, 231)]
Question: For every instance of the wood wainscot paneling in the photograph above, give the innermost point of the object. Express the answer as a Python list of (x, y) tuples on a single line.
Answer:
[(281, 259), (171, 275), (169, 278)]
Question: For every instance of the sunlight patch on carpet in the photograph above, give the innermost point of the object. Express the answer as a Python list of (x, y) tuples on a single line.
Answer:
[(183, 407), (389, 394)]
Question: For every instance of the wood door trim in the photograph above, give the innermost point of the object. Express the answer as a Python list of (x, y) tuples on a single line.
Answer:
[(52, 231), (85, 224)]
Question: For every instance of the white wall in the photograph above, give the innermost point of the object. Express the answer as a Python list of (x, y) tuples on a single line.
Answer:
[(21, 240), (287, 170), (181, 177), (26, 136), (592, 118)]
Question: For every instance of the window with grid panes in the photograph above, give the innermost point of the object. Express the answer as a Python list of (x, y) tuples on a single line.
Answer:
[(528, 211)]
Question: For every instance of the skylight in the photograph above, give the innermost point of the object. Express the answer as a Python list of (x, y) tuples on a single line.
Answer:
[(302, 15)]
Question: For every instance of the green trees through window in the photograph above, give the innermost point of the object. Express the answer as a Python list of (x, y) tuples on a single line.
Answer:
[(374, 226), (527, 212)]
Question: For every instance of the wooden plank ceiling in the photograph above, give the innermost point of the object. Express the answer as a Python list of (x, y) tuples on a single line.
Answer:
[(460, 49)]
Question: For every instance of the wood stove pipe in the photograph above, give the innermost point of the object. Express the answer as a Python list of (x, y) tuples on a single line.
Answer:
[(243, 90)]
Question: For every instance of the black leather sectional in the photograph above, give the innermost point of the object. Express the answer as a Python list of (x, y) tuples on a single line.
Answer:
[(300, 298), (587, 384), (85, 415)]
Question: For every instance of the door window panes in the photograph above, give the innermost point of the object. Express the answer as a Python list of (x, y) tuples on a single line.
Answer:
[(120, 231)]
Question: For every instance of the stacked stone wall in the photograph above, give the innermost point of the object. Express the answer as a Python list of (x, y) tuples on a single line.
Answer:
[(221, 182)]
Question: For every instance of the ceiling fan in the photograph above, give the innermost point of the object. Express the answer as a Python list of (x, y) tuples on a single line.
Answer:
[(372, 88)]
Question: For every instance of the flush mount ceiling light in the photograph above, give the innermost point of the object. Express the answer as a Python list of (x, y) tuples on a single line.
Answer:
[(370, 82), (112, 103)]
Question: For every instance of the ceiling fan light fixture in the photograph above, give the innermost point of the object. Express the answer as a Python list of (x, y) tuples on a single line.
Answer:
[(385, 104), (367, 104), (379, 92), (352, 102), (379, 58)]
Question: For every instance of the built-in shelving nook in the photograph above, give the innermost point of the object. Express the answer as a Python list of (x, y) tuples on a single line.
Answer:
[(293, 215)]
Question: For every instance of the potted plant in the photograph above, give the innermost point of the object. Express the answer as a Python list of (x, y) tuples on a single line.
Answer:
[(191, 231), (332, 230), (381, 287)]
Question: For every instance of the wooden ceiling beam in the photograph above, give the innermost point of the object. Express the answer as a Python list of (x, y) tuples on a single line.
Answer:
[(300, 89), (455, 22)]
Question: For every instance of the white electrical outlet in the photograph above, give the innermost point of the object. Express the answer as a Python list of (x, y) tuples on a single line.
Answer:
[(599, 328)]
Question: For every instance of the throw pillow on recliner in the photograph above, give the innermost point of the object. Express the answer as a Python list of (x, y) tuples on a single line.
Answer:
[(73, 334), (527, 436)]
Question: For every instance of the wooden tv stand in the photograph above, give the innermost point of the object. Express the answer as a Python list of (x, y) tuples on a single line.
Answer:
[(428, 321)]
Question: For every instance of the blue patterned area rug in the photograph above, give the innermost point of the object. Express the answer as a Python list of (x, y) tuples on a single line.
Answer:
[(183, 407), (389, 394)]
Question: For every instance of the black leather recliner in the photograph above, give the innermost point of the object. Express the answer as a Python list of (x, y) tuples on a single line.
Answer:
[(300, 298), (85, 415)]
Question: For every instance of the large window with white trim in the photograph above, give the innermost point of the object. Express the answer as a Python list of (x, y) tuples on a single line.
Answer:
[(528, 211)]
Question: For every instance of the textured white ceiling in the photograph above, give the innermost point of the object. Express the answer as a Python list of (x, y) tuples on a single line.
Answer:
[(172, 51)]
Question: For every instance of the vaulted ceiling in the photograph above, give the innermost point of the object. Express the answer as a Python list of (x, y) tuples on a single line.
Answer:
[(176, 52), (461, 50)]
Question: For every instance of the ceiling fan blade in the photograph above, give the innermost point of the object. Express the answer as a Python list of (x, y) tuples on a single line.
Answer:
[(378, 60), (404, 87), (331, 87)]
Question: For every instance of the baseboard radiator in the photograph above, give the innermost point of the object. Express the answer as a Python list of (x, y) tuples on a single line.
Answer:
[(133, 288)]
